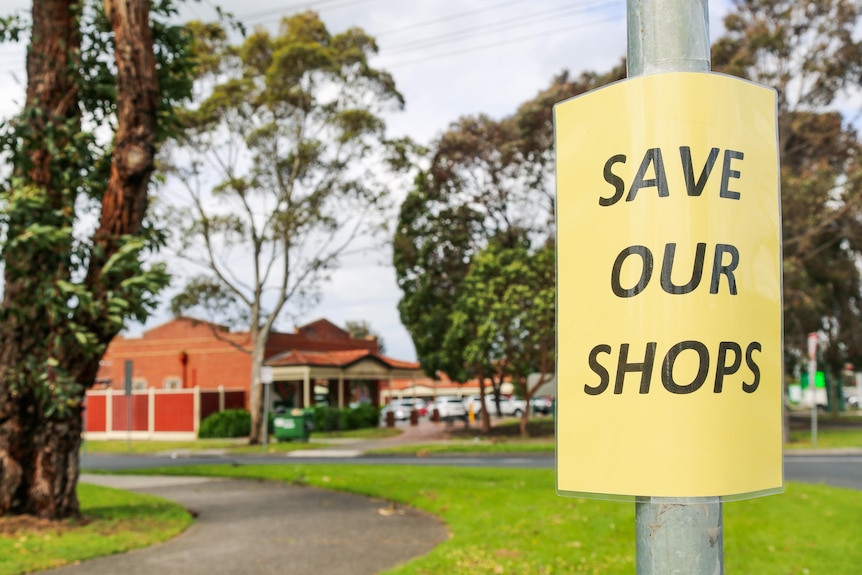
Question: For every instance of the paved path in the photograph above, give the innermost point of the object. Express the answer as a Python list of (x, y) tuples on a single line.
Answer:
[(268, 528)]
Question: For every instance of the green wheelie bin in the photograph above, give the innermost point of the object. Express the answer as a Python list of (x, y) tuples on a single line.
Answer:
[(293, 425)]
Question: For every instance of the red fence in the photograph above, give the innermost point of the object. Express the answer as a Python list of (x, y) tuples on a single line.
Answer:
[(155, 413)]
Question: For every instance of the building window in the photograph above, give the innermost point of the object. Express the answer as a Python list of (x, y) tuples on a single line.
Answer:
[(173, 383), (139, 384)]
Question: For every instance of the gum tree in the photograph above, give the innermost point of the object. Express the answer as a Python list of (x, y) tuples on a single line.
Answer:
[(279, 162), (488, 181), (505, 316), (73, 223), (810, 52)]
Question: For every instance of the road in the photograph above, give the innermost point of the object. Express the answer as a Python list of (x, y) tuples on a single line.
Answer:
[(839, 469)]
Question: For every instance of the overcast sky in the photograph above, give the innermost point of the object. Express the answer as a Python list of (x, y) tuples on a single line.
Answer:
[(450, 58)]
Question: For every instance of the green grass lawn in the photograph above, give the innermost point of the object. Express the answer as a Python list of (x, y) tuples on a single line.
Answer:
[(116, 521), (466, 447), (826, 438), (150, 447), (510, 521), (368, 433), (235, 445)]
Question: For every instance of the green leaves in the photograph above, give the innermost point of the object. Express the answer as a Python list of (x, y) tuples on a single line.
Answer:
[(208, 297), (68, 294), (504, 317), (286, 121), (810, 52), (356, 123), (489, 181)]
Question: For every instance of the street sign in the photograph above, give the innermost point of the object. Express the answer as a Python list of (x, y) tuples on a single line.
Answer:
[(669, 332), (266, 374)]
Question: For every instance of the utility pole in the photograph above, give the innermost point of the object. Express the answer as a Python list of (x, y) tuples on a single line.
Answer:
[(674, 535)]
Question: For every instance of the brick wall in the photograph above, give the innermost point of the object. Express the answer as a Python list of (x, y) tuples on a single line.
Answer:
[(158, 355), (156, 413)]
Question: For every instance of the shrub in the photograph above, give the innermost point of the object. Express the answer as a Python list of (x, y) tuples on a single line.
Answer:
[(229, 423), (335, 419), (327, 419), (362, 417)]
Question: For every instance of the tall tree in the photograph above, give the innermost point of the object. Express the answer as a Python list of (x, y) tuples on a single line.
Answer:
[(489, 180), (810, 53), (505, 316), (278, 162), (73, 231)]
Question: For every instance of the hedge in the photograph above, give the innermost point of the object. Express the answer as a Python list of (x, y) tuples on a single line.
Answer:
[(229, 423), (335, 419), (237, 422)]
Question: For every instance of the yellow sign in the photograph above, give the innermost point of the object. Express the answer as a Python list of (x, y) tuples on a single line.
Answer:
[(669, 308)]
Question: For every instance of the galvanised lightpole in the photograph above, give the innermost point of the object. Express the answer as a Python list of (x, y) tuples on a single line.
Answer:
[(682, 536)]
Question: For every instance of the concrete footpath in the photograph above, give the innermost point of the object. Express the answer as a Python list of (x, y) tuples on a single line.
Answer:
[(268, 528)]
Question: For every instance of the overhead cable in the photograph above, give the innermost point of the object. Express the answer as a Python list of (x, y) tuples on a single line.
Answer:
[(507, 41), (484, 9), (506, 24)]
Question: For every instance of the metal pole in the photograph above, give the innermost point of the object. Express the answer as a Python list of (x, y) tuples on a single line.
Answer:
[(813, 339), (684, 536), (667, 36), (266, 377), (128, 386), (84, 461), (266, 386)]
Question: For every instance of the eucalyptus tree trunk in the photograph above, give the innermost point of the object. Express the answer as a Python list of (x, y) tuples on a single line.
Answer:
[(40, 408), (259, 337)]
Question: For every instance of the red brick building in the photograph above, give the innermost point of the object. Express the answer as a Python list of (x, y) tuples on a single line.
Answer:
[(186, 369), (186, 353)]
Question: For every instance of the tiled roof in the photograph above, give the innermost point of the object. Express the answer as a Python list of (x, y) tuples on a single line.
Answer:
[(334, 359)]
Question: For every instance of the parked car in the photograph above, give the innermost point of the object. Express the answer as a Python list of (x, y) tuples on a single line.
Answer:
[(850, 397), (400, 410), (509, 406), (543, 405), (417, 404), (450, 407)]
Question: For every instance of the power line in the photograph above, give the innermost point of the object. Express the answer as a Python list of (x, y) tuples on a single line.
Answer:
[(515, 22), (461, 35), (449, 17), (321, 5), (507, 41), (457, 36)]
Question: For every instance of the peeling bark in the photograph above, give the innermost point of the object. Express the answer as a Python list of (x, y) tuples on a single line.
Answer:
[(125, 200)]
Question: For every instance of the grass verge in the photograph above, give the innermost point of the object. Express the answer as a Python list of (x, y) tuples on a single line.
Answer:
[(151, 447), (236, 445), (114, 521), (543, 446), (826, 438), (511, 521), (368, 433)]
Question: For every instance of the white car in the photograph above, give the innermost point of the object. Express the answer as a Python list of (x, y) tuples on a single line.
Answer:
[(850, 396), (450, 408), (400, 409), (509, 406)]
